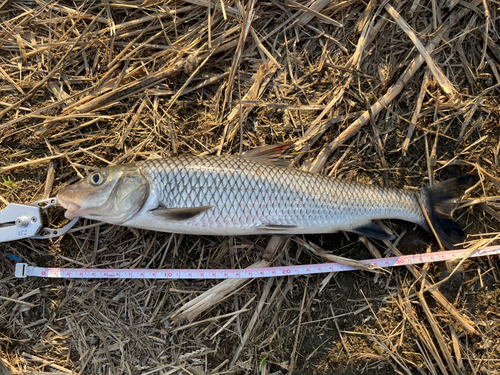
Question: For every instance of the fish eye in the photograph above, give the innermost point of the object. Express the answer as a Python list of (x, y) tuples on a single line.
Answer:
[(96, 179)]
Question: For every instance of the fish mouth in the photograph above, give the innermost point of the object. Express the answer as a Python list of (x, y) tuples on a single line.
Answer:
[(71, 207)]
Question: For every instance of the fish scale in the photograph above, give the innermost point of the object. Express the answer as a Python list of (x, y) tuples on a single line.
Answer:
[(246, 197)]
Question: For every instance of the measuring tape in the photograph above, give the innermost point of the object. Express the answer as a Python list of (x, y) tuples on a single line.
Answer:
[(23, 270)]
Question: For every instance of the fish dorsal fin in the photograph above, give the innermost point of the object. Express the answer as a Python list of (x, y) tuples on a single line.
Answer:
[(271, 154), (179, 214), (373, 231)]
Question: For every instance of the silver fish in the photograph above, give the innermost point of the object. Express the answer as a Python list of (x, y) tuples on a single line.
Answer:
[(242, 195)]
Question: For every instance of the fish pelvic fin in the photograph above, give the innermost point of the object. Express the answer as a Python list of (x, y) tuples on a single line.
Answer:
[(441, 200), (276, 228)]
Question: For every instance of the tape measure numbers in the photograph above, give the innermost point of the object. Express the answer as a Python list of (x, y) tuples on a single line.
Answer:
[(23, 270)]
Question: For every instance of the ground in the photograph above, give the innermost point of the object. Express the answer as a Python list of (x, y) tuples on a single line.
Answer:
[(403, 96)]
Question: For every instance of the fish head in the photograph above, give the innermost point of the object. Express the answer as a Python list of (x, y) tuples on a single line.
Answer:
[(113, 194)]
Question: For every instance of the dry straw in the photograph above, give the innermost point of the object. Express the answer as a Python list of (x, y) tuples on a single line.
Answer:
[(400, 93)]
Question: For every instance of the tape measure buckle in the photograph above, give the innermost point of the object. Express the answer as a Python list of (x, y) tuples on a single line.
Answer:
[(21, 270)]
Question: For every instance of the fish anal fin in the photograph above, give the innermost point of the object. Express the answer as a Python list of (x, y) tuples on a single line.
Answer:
[(271, 154), (373, 231), (179, 214)]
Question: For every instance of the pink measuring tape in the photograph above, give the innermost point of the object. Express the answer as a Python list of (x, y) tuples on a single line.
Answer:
[(24, 270)]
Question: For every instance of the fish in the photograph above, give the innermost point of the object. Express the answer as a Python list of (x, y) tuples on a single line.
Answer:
[(255, 193)]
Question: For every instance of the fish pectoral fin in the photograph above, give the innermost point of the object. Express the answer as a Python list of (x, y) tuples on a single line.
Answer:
[(179, 214), (273, 228), (373, 231)]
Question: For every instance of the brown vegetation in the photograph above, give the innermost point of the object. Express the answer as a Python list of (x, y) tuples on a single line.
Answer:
[(399, 93)]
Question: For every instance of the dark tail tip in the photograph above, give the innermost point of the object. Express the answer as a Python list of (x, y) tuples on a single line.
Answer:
[(442, 200)]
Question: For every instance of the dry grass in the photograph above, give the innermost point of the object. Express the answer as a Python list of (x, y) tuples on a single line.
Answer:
[(402, 94)]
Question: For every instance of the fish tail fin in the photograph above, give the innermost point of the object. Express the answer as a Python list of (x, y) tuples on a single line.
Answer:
[(440, 201)]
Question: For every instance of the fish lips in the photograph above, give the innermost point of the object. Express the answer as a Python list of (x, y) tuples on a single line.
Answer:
[(71, 207)]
